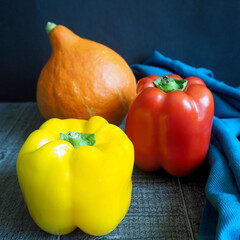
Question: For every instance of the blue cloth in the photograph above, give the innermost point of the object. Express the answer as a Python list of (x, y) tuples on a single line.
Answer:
[(221, 215)]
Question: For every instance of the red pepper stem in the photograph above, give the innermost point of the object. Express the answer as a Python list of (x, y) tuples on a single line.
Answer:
[(169, 84)]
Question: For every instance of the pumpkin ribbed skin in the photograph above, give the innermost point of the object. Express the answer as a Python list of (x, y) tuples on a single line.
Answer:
[(83, 78)]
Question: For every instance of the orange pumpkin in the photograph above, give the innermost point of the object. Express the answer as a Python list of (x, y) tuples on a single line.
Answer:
[(84, 78)]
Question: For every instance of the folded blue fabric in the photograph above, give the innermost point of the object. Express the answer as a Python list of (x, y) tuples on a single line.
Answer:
[(221, 215)]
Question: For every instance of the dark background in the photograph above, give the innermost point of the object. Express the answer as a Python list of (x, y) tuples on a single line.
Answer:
[(200, 33)]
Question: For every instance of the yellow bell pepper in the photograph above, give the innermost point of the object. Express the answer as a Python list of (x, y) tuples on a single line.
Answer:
[(76, 173)]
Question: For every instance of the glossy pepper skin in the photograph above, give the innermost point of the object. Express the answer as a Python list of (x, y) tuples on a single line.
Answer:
[(170, 130), (88, 186)]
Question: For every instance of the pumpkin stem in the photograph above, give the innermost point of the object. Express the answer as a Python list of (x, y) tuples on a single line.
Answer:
[(49, 27)]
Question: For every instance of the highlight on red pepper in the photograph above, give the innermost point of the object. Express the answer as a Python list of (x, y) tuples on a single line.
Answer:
[(170, 122)]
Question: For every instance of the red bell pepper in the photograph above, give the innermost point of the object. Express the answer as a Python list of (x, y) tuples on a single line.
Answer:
[(170, 123)]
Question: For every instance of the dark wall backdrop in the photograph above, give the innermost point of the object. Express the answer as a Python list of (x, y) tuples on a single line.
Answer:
[(199, 32)]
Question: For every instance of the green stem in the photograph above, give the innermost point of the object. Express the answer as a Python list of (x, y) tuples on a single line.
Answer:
[(79, 139), (49, 27), (169, 84)]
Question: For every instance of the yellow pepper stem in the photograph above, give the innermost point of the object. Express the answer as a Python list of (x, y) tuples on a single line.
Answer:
[(79, 139)]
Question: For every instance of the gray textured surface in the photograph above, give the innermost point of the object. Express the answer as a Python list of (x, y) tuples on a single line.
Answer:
[(162, 207)]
